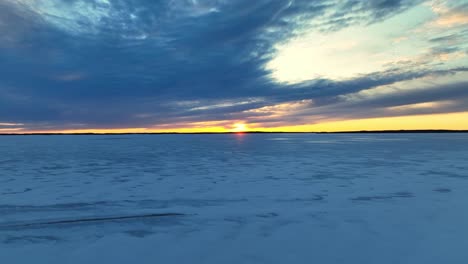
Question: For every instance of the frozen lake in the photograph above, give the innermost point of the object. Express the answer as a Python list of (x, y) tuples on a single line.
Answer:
[(246, 198)]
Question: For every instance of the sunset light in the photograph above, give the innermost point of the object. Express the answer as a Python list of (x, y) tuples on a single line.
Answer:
[(239, 127), (233, 131)]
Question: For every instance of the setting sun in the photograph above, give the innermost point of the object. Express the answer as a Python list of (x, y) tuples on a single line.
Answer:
[(239, 127)]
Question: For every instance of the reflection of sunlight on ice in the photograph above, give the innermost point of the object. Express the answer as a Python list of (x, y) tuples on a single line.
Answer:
[(240, 136)]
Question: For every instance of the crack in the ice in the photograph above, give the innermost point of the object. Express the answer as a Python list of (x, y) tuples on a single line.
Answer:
[(86, 220)]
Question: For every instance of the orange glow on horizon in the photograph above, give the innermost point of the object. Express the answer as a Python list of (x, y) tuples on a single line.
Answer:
[(240, 127), (450, 121)]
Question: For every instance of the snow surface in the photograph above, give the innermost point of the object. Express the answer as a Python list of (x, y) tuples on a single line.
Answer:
[(251, 198)]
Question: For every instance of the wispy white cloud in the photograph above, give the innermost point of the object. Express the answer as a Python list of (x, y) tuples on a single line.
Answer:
[(448, 16), (11, 124)]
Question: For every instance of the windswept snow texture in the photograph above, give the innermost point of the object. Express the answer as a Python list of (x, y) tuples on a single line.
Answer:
[(245, 198)]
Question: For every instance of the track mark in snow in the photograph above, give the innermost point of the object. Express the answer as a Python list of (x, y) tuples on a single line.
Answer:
[(442, 190), (384, 197)]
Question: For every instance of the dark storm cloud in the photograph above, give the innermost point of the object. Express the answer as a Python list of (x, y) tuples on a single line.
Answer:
[(131, 63)]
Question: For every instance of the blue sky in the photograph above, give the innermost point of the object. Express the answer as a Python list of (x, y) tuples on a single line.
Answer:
[(94, 64)]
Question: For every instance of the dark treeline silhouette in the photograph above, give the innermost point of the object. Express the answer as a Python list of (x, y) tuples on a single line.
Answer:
[(246, 132)]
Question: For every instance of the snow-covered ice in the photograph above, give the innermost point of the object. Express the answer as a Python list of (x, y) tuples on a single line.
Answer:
[(238, 198)]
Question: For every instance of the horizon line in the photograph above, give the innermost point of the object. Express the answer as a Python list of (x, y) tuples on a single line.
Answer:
[(243, 132)]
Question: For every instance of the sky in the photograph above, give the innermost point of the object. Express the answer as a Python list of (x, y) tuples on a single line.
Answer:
[(232, 65)]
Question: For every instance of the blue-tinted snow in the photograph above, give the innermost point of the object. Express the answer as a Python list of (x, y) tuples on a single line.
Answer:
[(252, 198)]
